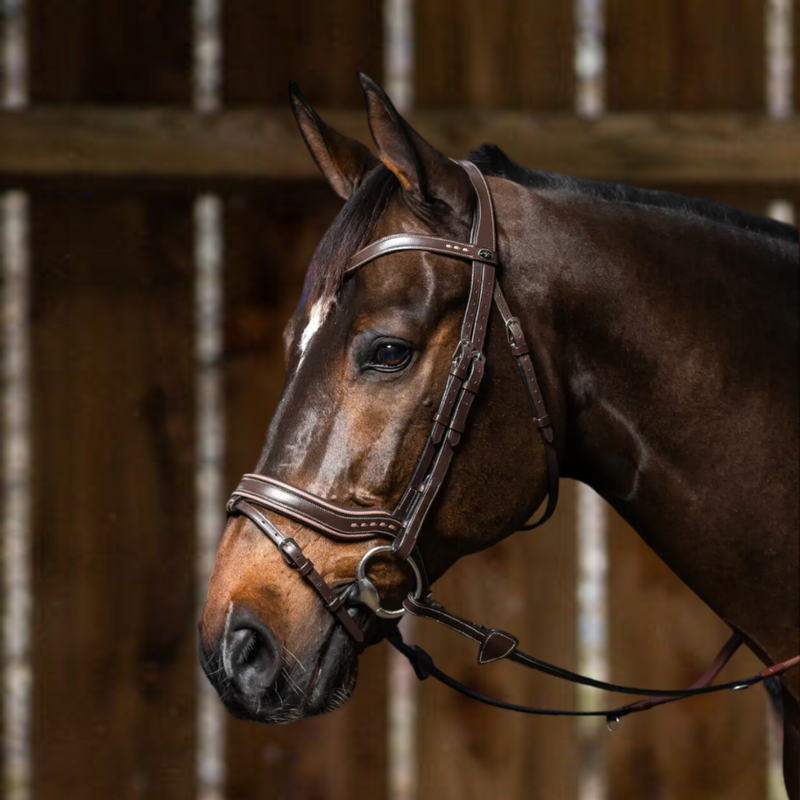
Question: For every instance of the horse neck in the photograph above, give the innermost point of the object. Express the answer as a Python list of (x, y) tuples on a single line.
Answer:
[(669, 345)]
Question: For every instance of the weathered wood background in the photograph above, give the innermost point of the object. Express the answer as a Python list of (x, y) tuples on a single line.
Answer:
[(112, 157)]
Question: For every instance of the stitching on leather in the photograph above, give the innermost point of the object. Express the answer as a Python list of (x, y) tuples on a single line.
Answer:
[(379, 512), (469, 635), (269, 502), (513, 645), (400, 248), (364, 516), (425, 236)]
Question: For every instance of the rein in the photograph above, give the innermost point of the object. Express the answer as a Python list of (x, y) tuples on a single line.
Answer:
[(402, 526)]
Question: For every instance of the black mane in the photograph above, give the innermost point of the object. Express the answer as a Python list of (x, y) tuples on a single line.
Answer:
[(491, 160)]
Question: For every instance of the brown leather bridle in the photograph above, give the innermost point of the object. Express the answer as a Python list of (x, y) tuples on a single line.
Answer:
[(402, 526)]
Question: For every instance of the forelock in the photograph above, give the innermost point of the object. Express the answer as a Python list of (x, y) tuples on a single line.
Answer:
[(352, 228)]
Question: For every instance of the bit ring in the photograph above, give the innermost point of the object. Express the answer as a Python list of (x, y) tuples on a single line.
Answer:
[(368, 594)]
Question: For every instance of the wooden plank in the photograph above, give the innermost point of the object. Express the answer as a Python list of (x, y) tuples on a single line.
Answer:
[(688, 55), (796, 54), (296, 761), (5, 32), (681, 56), (269, 239), (527, 585), (499, 66), (82, 147), (662, 634), (114, 643), (508, 54), (273, 43)]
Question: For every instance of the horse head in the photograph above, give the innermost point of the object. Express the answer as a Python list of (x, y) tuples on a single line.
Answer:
[(368, 352)]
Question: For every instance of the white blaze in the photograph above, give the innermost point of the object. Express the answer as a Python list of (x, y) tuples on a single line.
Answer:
[(315, 319)]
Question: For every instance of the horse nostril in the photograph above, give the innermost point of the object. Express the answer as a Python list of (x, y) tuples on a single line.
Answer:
[(249, 646), (251, 655)]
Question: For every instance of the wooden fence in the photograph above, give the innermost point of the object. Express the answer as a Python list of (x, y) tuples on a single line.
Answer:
[(112, 157)]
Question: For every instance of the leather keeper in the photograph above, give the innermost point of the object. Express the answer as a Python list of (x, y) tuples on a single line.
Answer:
[(459, 421), (459, 366), (516, 338), (336, 603), (442, 417), (542, 422), (455, 425), (475, 377)]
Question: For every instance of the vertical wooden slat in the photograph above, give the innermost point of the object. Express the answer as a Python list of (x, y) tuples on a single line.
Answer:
[(4, 77), (681, 55), (321, 44), (510, 54), (504, 55), (666, 55), (269, 240), (114, 643), (525, 584), (796, 52)]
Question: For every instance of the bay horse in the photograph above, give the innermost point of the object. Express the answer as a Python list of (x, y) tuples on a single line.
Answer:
[(664, 333)]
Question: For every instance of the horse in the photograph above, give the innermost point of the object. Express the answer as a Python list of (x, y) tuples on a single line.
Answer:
[(664, 333)]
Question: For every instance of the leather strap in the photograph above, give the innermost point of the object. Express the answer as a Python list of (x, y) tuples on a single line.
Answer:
[(521, 353), (322, 515), (495, 645), (397, 242), (461, 388), (295, 558), (724, 655), (481, 247), (493, 640)]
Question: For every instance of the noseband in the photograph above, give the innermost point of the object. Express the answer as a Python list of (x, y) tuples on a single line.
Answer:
[(402, 526)]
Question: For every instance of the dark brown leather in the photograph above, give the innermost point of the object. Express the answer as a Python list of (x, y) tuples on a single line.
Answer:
[(497, 644), (398, 242), (459, 392), (296, 559), (722, 658), (322, 515), (520, 351)]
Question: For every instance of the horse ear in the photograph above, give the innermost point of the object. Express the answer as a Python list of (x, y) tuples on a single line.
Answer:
[(422, 170), (342, 160)]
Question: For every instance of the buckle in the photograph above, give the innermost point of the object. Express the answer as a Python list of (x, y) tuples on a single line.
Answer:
[(473, 382), (291, 552), (461, 356), (516, 338)]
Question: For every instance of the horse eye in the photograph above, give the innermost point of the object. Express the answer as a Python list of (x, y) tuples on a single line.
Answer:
[(390, 356)]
